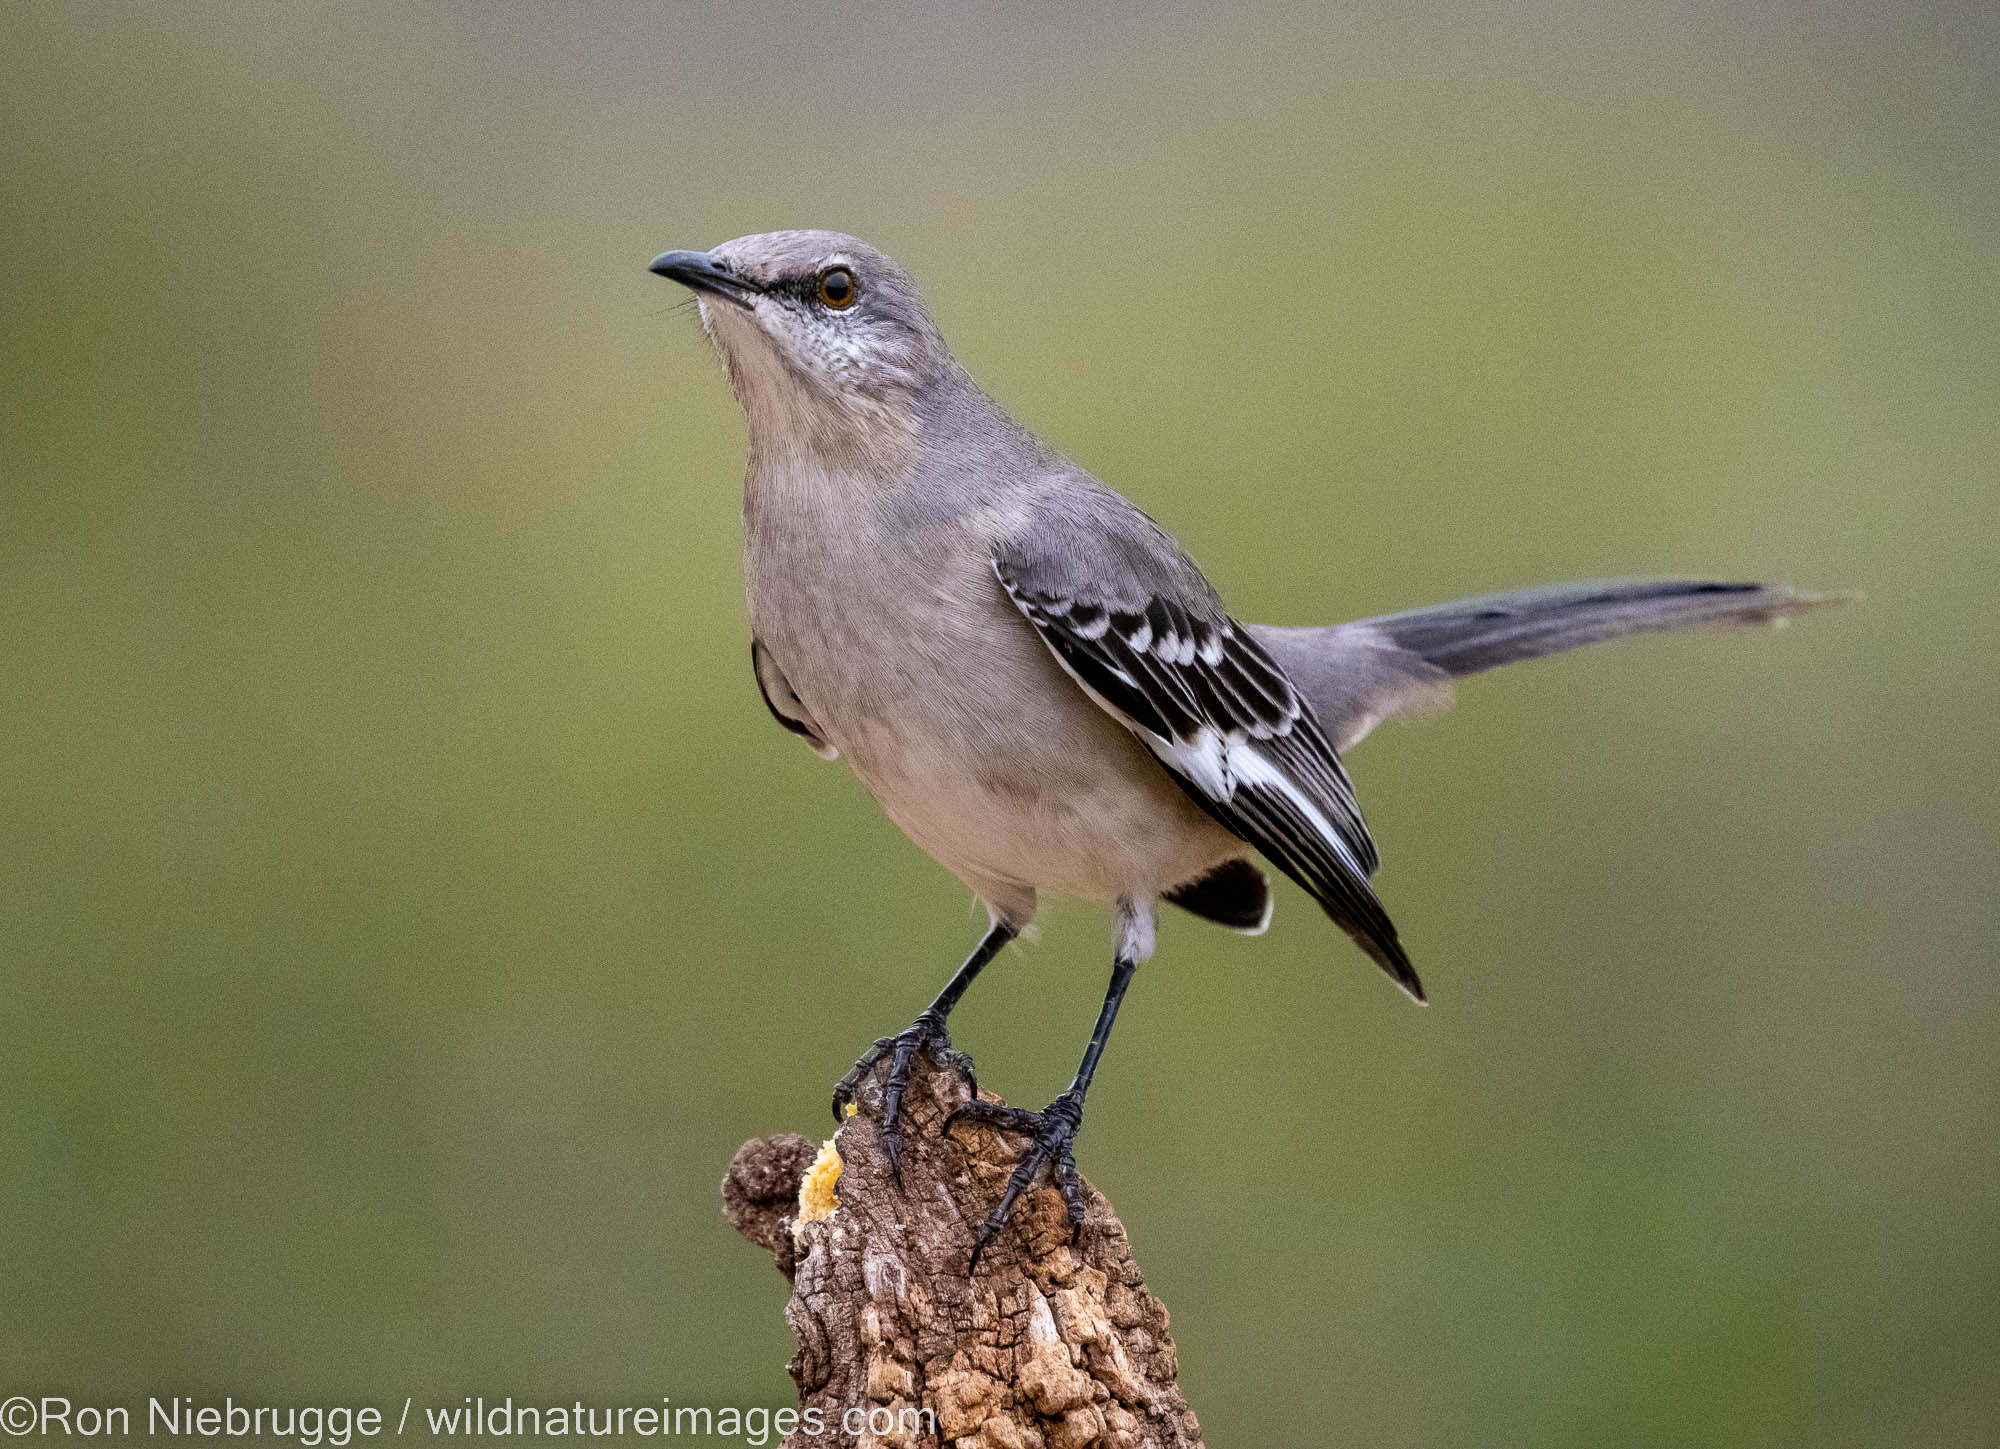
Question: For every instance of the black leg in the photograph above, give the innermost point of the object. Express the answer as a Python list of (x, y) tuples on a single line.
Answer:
[(1052, 1129), (926, 1032)]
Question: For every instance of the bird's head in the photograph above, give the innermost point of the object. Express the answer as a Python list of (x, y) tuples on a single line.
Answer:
[(826, 341)]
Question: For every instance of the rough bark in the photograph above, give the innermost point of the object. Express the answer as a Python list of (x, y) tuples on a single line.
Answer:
[(1049, 1345)]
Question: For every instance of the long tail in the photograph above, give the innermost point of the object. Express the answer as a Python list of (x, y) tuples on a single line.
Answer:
[(1359, 674), (1476, 634)]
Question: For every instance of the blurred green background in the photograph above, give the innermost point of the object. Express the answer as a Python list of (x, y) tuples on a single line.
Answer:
[(407, 907)]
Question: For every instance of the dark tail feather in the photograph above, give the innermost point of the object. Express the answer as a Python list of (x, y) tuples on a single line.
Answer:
[(1475, 634), (1235, 894), (1359, 674)]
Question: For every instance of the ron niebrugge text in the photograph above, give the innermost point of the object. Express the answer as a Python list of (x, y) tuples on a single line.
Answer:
[(179, 1417)]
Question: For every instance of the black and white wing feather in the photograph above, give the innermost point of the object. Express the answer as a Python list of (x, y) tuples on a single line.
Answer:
[(1214, 707)]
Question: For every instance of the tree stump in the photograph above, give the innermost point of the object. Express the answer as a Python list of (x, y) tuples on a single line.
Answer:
[(1049, 1345)]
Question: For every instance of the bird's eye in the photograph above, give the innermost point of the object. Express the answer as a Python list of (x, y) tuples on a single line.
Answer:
[(836, 287)]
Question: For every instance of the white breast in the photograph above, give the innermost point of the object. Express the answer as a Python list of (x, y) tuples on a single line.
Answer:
[(952, 712)]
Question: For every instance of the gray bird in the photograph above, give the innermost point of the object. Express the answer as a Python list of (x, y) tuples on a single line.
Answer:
[(1034, 679)]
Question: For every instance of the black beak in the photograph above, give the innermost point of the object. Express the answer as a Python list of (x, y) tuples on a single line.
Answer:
[(703, 273)]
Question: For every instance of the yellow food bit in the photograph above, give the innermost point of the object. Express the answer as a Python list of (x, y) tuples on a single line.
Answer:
[(852, 1109), (816, 1195)]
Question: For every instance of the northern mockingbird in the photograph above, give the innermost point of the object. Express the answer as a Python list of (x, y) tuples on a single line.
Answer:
[(1033, 678)]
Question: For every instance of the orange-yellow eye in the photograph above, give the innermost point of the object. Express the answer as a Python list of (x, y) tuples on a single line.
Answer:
[(836, 287)]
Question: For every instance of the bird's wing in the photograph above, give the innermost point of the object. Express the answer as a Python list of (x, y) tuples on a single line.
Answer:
[(784, 705), (1235, 894), (1131, 619)]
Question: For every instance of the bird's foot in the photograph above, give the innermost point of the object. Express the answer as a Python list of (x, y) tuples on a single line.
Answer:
[(1050, 1133), (926, 1033)]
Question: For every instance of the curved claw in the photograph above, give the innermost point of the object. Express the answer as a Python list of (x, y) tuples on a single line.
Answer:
[(905, 1054), (847, 1086), (1052, 1129), (926, 1033), (959, 1065), (1069, 1182)]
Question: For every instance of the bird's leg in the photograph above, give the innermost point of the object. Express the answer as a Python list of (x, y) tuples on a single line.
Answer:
[(1051, 1130), (927, 1032)]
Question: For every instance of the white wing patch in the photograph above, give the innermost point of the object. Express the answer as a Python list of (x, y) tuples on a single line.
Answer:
[(1249, 766), (1207, 759), (1219, 762), (1220, 714)]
